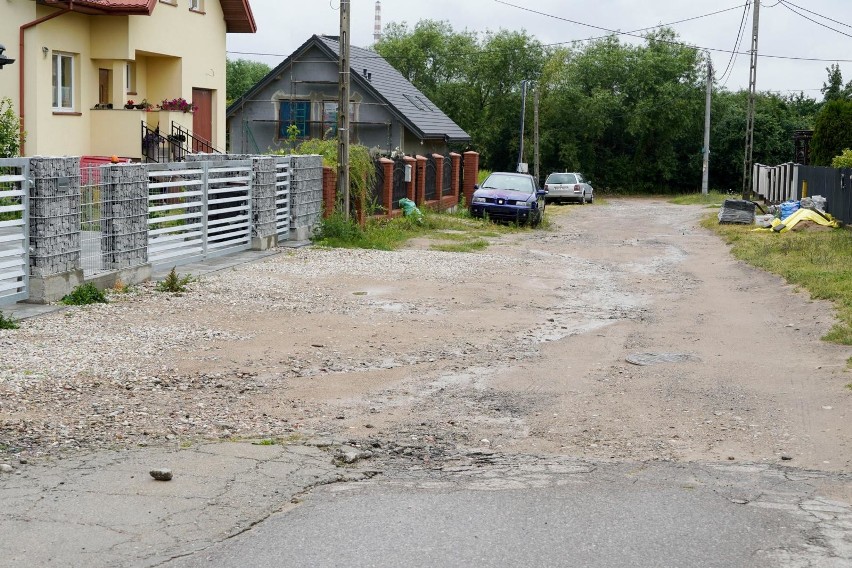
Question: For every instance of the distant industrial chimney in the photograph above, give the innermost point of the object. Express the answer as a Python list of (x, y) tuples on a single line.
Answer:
[(377, 28)]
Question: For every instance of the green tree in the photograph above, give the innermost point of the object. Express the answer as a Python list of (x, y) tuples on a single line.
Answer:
[(834, 89), (10, 129), (475, 80), (241, 75), (832, 131)]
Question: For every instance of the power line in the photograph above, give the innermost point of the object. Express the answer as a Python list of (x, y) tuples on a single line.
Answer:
[(652, 27), (733, 56), (814, 21), (679, 43), (816, 14)]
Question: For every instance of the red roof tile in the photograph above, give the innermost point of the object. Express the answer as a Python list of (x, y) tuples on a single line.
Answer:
[(237, 13)]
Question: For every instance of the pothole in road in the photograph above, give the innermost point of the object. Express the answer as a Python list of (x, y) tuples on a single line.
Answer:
[(657, 358)]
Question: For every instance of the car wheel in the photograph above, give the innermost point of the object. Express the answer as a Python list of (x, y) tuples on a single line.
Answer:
[(592, 198), (583, 199), (536, 220)]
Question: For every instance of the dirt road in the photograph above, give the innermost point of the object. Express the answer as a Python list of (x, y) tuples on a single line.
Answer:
[(523, 348)]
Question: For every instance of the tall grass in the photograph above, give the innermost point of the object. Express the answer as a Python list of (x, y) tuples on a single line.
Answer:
[(817, 261)]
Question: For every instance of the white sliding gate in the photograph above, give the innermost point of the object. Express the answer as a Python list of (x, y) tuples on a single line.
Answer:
[(14, 230), (198, 210)]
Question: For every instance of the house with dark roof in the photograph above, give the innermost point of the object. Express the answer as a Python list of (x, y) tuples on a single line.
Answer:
[(80, 63), (387, 112)]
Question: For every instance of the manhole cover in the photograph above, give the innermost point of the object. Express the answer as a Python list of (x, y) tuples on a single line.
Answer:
[(656, 358)]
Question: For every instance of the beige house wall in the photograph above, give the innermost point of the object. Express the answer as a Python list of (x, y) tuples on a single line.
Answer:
[(170, 52)]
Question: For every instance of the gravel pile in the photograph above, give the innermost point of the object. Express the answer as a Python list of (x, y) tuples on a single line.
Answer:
[(105, 375)]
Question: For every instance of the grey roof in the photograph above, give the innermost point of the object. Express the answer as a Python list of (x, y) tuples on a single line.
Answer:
[(404, 100)]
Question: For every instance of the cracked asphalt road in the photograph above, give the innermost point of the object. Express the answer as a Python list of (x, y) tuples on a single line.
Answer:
[(482, 382)]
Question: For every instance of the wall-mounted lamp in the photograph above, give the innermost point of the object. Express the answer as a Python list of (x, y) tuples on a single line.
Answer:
[(44, 51), (3, 59)]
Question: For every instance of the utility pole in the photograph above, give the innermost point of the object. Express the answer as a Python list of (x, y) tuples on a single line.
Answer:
[(752, 90), (535, 135), (705, 173), (523, 112), (343, 109)]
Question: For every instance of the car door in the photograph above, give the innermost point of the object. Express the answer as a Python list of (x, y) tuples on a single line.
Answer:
[(586, 187)]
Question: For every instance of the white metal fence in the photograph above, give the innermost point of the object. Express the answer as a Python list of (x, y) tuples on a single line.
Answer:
[(14, 230), (198, 210)]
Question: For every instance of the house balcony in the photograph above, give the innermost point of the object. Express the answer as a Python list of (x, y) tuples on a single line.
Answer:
[(115, 132)]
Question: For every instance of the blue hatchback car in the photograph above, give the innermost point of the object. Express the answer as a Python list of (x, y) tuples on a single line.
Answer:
[(509, 197)]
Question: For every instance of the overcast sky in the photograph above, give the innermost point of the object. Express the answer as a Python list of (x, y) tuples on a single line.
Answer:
[(283, 25)]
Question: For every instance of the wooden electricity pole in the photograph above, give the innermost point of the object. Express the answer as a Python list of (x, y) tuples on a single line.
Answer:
[(752, 91), (343, 109)]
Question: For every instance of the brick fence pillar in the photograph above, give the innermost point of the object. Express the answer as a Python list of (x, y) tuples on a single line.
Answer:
[(329, 191), (411, 185), (455, 174), (471, 172), (387, 187), (421, 180), (439, 179)]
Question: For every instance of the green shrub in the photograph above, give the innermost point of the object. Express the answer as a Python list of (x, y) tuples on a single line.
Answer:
[(8, 322), (10, 130), (844, 160), (173, 282), (84, 294)]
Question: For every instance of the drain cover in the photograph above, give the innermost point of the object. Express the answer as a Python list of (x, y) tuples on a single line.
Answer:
[(656, 358)]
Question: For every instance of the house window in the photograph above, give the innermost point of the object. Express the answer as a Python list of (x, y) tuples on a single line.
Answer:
[(63, 82), (293, 112), (130, 77), (196, 5), (328, 119)]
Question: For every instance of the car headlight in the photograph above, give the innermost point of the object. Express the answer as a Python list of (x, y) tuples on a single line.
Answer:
[(523, 203), (478, 200)]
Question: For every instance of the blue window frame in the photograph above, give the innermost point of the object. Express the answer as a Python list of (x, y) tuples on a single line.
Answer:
[(293, 112)]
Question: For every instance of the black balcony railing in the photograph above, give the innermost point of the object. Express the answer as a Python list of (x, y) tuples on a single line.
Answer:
[(193, 143)]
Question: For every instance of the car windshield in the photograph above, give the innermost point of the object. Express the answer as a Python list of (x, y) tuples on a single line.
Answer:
[(562, 178), (523, 184)]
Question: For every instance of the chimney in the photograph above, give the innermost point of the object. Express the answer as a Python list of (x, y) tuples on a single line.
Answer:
[(377, 27)]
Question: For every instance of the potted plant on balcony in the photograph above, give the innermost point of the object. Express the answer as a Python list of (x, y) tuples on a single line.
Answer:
[(179, 104), (129, 104)]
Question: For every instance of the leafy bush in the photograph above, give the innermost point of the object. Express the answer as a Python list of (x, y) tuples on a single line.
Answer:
[(173, 282), (84, 294), (844, 160), (10, 130), (7, 322), (362, 169)]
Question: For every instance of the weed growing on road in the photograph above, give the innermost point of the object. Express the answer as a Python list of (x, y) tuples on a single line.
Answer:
[(174, 283), (391, 234), (84, 294), (8, 322), (713, 198), (466, 246), (818, 261)]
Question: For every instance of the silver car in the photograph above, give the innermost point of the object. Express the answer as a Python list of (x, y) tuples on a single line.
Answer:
[(568, 186)]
